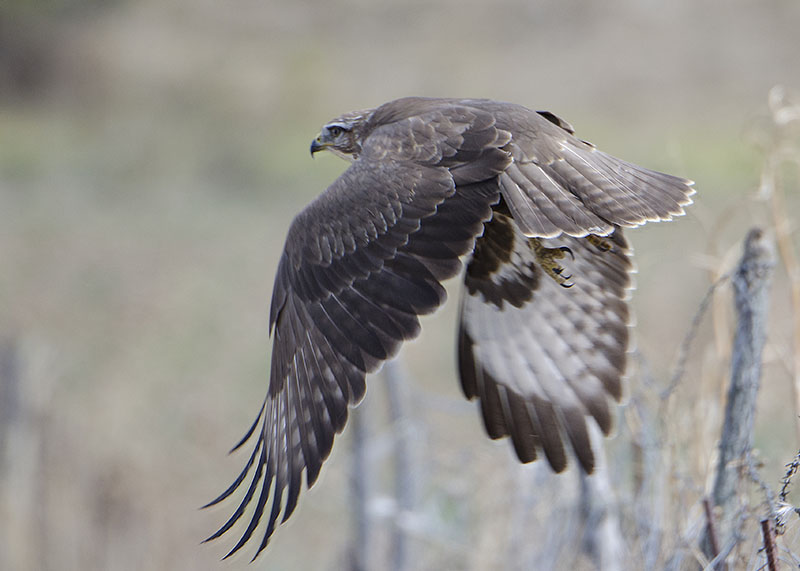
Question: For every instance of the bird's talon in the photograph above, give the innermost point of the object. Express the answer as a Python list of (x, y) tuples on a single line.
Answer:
[(602, 244), (547, 261)]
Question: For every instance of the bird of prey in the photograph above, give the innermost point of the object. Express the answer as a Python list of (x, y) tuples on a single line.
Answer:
[(537, 215)]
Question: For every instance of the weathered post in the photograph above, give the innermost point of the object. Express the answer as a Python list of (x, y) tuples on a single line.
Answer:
[(751, 283)]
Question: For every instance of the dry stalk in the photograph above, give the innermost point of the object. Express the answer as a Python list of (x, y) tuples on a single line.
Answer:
[(782, 151)]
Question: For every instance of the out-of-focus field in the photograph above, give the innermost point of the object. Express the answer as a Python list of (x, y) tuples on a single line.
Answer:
[(152, 156)]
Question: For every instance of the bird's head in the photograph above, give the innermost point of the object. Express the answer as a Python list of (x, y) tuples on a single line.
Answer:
[(341, 136)]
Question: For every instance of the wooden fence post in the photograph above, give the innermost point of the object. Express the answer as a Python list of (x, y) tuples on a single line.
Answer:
[(751, 283)]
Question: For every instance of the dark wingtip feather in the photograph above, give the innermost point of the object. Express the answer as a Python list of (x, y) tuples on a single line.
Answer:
[(250, 431), (238, 481), (259, 509), (263, 460)]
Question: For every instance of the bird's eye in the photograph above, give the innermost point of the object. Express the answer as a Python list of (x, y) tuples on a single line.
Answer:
[(335, 131)]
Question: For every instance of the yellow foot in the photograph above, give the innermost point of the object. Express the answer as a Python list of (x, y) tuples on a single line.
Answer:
[(599, 242), (547, 259)]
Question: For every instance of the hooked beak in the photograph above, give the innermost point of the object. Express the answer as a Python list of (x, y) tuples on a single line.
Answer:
[(317, 145)]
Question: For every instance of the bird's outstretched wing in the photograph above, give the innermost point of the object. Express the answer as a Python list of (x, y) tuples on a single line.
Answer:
[(559, 183), (542, 357), (360, 264)]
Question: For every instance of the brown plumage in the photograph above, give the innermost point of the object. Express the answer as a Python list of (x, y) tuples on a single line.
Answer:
[(433, 181)]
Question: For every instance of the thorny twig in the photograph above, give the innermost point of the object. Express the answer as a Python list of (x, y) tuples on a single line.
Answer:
[(756, 477), (792, 468), (780, 517)]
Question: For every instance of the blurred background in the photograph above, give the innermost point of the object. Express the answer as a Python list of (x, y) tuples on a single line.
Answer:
[(152, 156)]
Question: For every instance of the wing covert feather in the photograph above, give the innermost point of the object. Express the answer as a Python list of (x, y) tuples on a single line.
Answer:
[(560, 183)]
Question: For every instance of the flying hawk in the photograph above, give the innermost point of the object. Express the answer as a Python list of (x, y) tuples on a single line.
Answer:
[(536, 213)]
